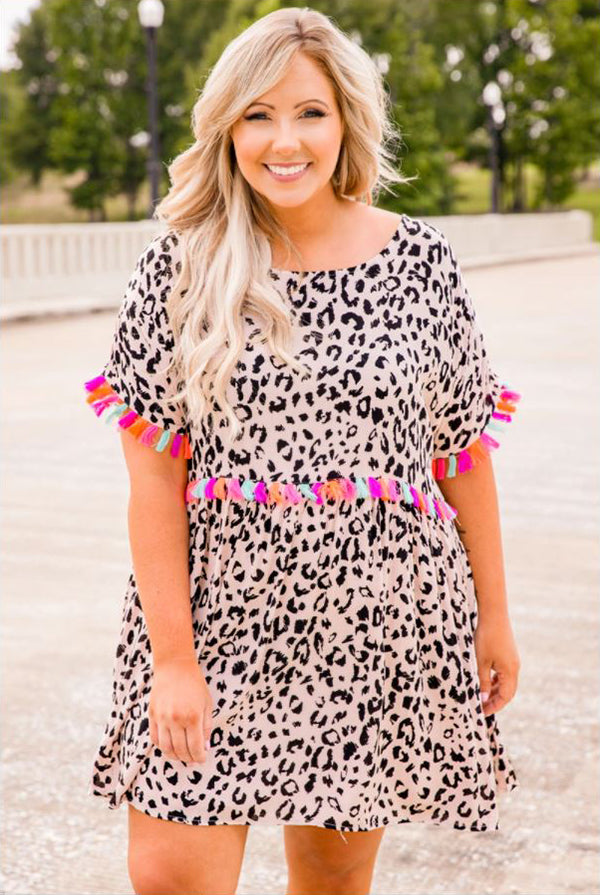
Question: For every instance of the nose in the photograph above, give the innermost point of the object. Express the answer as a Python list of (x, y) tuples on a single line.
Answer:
[(285, 141)]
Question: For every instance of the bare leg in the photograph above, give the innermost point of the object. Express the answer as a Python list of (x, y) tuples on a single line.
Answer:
[(320, 861), (169, 858)]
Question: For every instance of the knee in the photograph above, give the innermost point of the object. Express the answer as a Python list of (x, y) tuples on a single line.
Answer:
[(334, 876), (151, 874)]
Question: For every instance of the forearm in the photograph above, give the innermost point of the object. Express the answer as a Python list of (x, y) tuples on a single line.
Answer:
[(159, 541), (473, 494)]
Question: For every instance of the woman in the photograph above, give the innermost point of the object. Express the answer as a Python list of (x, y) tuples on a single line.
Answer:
[(311, 377)]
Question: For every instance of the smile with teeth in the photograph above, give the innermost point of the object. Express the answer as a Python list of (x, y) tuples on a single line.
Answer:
[(287, 170)]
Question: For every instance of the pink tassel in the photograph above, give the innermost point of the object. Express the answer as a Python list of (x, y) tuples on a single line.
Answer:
[(490, 442), (148, 434), (189, 497), (349, 488), (234, 490), (209, 491), (128, 420), (92, 384), (464, 461), (316, 489), (260, 492), (101, 404), (374, 486), (291, 494)]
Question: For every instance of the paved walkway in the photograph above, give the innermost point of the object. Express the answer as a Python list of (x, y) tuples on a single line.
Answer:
[(66, 559)]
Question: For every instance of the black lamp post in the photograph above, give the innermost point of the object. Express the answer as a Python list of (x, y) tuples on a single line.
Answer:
[(492, 98), (151, 14)]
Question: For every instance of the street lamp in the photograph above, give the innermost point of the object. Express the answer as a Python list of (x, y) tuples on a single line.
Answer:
[(492, 98), (151, 14)]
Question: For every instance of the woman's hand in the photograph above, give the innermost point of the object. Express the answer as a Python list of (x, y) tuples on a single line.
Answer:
[(496, 650), (180, 710)]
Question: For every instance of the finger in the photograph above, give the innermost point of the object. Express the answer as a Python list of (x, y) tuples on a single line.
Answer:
[(164, 741), (195, 741), (502, 692), (484, 672), (180, 747), (493, 706)]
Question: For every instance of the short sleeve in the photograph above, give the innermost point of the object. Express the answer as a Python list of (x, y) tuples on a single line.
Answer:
[(135, 388), (468, 402)]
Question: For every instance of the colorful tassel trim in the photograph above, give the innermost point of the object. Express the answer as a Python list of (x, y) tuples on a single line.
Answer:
[(102, 397), (447, 467), (224, 487)]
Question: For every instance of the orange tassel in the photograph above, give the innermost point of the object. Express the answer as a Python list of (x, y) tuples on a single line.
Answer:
[(275, 492), (219, 489)]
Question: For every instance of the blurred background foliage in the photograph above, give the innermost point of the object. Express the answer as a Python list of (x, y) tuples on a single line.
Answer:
[(74, 123)]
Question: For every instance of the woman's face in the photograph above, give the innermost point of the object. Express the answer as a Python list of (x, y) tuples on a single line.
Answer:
[(297, 123)]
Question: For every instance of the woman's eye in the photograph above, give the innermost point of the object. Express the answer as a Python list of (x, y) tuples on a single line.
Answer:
[(256, 115)]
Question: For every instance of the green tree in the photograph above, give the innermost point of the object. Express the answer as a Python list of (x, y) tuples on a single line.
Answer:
[(34, 118), (87, 62), (541, 55), (12, 99)]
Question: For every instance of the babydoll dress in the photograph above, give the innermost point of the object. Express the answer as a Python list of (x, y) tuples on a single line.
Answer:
[(332, 598)]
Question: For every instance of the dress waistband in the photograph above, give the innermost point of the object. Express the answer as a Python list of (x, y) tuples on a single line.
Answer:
[(359, 488)]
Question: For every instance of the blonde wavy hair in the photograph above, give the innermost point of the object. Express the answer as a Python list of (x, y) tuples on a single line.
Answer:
[(223, 227)]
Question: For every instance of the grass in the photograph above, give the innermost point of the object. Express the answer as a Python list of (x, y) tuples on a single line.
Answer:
[(474, 188), (49, 203)]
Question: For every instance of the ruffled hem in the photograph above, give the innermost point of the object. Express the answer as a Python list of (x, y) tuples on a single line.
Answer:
[(455, 464), (102, 397), (384, 488)]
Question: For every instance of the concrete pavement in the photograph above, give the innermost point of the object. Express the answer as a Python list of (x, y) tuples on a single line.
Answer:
[(66, 559)]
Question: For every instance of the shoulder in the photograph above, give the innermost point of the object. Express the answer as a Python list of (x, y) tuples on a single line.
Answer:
[(433, 241), (144, 306), (160, 257)]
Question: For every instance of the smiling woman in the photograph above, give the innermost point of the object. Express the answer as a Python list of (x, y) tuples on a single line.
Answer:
[(300, 596)]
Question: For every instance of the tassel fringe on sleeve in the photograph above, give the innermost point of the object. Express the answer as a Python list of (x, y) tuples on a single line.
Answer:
[(455, 464), (106, 402)]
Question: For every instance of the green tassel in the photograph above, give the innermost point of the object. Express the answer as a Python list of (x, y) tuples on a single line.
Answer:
[(406, 491), (198, 489), (362, 489), (162, 442), (248, 489)]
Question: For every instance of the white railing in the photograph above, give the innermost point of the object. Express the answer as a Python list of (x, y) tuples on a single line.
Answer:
[(68, 267), (57, 268), (38, 251), (478, 236)]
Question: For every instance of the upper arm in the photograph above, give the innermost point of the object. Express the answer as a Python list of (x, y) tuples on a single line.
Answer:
[(139, 388), (143, 465)]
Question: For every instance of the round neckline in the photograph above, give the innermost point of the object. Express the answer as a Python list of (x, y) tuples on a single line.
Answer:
[(352, 267)]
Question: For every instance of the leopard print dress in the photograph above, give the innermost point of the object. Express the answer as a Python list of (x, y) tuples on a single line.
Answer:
[(332, 599)]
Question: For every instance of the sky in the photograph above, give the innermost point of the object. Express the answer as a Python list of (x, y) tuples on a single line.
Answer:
[(11, 12)]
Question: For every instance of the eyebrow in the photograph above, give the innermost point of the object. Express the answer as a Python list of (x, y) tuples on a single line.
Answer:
[(258, 103)]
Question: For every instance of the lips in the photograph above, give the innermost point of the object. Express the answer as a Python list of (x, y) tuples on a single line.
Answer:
[(289, 178)]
